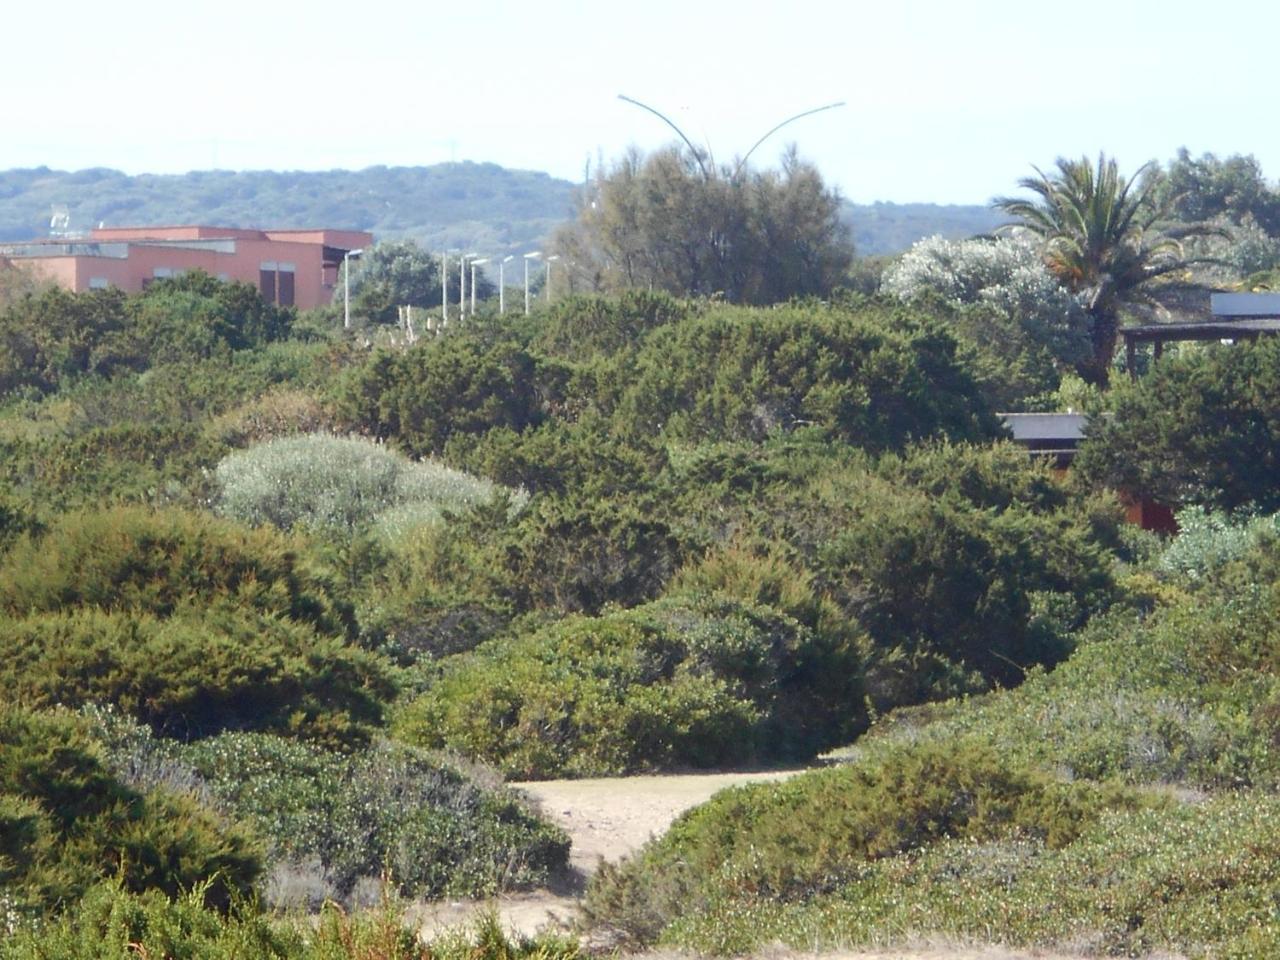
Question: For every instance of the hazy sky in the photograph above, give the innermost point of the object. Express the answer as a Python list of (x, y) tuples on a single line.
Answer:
[(946, 101)]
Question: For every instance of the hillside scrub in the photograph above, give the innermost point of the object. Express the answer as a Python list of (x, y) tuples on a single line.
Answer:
[(332, 823), (156, 561), (685, 681), (813, 834), (1031, 835), (66, 823)]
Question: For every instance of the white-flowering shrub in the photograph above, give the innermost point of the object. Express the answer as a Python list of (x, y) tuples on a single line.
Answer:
[(340, 485), (1210, 539), (1006, 274)]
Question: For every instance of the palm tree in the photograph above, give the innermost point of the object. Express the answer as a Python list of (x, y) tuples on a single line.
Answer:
[(1105, 239)]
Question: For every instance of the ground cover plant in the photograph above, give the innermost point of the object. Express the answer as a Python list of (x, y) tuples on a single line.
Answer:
[(335, 824)]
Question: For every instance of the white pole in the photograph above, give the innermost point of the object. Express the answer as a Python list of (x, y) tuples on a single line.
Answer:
[(462, 289), (554, 256), (346, 290), (444, 290), (473, 288), (502, 284), (527, 258), (346, 285)]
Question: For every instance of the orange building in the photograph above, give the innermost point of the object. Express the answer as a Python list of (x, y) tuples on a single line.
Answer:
[(289, 267)]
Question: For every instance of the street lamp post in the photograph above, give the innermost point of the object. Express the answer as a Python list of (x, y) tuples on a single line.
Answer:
[(527, 258), (474, 264), (444, 289), (502, 286), (346, 285), (554, 256)]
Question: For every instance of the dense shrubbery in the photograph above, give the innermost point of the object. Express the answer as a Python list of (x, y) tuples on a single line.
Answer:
[(1176, 685), (57, 337), (1195, 879), (815, 833), (1202, 428), (196, 672), (157, 562), (685, 681), (66, 822), (871, 375), (334, 822)]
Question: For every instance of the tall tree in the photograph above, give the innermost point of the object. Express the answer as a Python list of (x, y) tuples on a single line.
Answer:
[(1106, 238), (671, 222)]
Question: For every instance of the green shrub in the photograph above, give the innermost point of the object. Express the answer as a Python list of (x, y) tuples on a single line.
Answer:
[(69, 822), (337, 485), (1187, 695), (434, 827), (196, 672), (1201, 428), (813, 834), (877, 376), (134, 559), (466, 383), (112, 923), (684, 681), (1194, 879)]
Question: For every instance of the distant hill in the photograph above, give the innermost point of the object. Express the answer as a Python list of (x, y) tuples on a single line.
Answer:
[(881, 228), (477, 206), (480, 206)]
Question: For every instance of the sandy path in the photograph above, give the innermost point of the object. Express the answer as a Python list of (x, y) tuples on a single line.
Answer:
[(609, 818)]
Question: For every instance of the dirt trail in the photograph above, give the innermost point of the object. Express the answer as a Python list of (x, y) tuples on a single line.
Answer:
[(609, 818)]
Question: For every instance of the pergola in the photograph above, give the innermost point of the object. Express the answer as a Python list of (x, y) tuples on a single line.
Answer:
[(1235, 316)]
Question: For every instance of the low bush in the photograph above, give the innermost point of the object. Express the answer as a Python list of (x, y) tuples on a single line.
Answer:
[(684, 681), (1173, 879), (145, 561), (197, 672), (112, 923), (69, 822), (813, 834), (334, 821), (338, 485)]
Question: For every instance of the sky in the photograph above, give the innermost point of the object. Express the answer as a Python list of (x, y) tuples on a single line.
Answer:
[(945, 102)]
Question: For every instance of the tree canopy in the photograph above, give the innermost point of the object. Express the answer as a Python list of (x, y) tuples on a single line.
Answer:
[(1106, 238), (668, 222)]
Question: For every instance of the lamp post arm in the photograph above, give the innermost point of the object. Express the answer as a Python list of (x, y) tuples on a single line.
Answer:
[(743, 162), (689, 143)]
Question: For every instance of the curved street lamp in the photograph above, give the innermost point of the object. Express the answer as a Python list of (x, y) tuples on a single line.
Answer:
[(502, 286), (474, 264), (346, 285), (527, 257), (697, 155), (554, 256)]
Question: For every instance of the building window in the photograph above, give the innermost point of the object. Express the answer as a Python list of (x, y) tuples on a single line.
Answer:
[(267, 280), (285, 285), (162, 272), (275, 282), (99, 283)]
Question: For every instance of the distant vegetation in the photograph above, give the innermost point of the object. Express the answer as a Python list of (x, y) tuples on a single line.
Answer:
[(479, 206)]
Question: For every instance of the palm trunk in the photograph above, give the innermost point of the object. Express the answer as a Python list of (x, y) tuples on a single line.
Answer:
[(1104, 332)]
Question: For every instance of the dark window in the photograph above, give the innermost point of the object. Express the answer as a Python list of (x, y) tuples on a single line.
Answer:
[(267, 285), (286, 289)]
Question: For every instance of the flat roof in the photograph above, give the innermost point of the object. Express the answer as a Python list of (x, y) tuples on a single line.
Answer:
[(1204, 330), (1045, 426), (1245, 304)]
